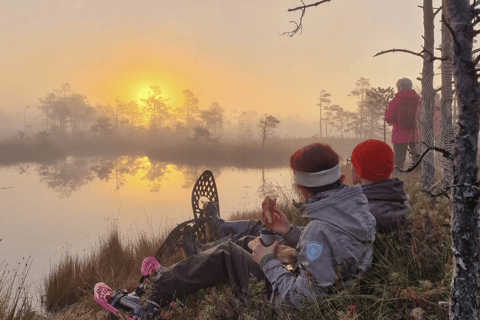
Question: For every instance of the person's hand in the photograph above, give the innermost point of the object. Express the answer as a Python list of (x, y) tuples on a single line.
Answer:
[(259, 250), (279, 222)]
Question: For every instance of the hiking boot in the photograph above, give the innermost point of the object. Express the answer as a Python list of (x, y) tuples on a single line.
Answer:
[(121, 301), (131, 302), (211, 211), (189, 242)]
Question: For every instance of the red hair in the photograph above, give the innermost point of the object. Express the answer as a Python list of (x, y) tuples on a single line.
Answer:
[(314, 158)]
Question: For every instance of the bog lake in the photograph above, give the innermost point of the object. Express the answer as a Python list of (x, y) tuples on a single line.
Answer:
[(67, 204)]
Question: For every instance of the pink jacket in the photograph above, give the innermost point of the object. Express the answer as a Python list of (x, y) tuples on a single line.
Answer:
[(400, 135)]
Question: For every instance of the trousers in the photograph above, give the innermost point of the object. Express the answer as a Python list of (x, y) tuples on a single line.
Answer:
[(227, 262), (400, 153)]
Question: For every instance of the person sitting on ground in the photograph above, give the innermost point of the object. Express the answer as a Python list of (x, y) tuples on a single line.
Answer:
[(339, 236), (372, 165)]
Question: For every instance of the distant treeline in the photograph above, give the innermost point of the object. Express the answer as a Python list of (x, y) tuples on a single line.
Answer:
[(66, 114), (229, 153), (246, 155)]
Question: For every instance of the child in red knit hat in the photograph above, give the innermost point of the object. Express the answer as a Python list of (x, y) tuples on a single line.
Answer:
[(372, 165)]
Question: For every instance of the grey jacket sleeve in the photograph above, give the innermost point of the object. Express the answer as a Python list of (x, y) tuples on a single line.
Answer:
[(317, 268), (292, 237), (285, 282)]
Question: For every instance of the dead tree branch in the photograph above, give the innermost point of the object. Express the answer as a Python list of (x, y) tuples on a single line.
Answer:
[(298, 25), (307, 6), (477, 59), (419, 54)]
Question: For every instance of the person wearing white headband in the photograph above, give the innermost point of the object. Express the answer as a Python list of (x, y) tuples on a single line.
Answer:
[(340, 233), (317, 179)]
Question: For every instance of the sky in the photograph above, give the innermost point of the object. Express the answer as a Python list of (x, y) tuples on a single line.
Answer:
[(230, 52)]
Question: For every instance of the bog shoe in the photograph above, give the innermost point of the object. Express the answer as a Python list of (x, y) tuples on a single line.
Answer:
[(150, 265), (128, 303)]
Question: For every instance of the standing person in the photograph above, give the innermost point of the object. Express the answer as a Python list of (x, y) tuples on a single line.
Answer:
[(339, 236), (401, 113)]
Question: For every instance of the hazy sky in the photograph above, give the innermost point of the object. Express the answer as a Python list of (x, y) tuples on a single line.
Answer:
[(225, 51)]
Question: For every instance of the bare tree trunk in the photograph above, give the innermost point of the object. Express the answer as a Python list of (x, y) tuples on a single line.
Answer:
[(362, 135), (320, 115), (464, 288), (428, 95), (446, 128)]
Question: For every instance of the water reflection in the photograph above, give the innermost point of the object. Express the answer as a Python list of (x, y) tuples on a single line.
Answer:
[(155, 174), (68, 175)]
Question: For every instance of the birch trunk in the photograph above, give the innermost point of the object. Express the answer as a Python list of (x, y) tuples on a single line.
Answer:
[(465, 199)]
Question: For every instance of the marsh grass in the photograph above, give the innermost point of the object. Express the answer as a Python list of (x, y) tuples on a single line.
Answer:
[(14, 299), (409, 278)]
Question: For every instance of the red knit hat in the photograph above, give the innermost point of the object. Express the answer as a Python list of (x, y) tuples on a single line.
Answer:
[(373, 160)]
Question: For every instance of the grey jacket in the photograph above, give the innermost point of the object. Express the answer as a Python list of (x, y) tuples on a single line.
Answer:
[(335, 247), (388, 203)]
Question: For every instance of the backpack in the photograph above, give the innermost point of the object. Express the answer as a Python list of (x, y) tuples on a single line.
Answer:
[(407, 111)]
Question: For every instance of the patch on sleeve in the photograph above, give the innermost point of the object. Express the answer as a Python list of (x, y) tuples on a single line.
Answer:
[(314, 250)]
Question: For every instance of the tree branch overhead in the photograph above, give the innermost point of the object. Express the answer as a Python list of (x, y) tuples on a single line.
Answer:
[(298, 26), (419, 54)]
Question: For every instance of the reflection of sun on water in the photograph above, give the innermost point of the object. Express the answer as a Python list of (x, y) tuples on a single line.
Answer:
[(165, 177)]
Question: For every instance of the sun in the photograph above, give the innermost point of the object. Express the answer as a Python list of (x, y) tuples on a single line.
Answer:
[(143, 91), (135, 85)]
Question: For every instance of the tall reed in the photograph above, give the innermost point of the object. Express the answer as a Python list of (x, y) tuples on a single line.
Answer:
[(15, 302)]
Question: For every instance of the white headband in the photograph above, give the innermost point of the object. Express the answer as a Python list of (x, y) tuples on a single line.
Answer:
[(317, 179)]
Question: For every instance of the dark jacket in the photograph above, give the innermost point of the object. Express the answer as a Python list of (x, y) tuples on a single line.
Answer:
[(388, 203)]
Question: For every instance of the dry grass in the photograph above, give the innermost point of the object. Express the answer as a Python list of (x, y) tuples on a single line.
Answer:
[(14, 300), (115, 261)]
